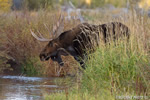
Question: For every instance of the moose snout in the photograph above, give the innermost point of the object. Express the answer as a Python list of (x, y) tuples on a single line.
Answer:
[(43, 57)]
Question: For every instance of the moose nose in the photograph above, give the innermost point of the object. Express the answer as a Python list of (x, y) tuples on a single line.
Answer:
[(42, 57)]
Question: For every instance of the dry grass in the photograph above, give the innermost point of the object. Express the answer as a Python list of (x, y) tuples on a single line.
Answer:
[(17, 43), (102, 75), (115, 71)]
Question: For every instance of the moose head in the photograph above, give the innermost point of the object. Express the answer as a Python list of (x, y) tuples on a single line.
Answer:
[(55, 48)]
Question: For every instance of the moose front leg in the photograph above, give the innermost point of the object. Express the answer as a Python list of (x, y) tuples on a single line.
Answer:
[(64, 52), (58, 59), (76, 56), (57, 56)]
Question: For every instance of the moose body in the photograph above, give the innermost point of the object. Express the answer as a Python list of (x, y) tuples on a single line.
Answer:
[(84, 37)]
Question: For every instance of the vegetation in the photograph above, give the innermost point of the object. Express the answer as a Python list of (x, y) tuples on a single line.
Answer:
[(55, 4), (5, 5), (144, 4), (120, 69), (18, 45), (117, 70), (37, 4)]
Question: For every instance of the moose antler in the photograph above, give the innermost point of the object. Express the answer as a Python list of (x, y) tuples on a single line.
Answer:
[(56, 29), (39, 38), (59, 26)]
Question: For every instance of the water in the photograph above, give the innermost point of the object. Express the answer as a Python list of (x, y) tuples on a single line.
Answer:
[(27, 88)]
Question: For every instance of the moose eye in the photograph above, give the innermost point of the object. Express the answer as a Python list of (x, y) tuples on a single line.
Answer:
[(50, 44)]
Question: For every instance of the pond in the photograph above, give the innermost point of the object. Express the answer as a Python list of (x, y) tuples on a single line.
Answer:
[(27, 88)]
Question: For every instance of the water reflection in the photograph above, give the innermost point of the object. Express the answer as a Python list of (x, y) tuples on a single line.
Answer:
[(26, 88)]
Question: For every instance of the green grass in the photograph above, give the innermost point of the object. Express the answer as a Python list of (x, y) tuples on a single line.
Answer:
[(115, 71), (32, 67), (118, 69), (74, 95), (112, 71)]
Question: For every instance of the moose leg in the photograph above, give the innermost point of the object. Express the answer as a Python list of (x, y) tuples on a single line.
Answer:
[(82, 63), (61, 51), (71, 51), (58, 59), (76, 56)]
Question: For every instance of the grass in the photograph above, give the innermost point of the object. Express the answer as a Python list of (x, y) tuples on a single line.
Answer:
[(113, 70), (18, 45), (31, 67), (116, 71), (74, 95)]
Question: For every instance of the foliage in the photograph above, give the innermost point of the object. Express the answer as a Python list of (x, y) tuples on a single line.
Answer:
[(5, 5), (112, 71), (3, 62), (37, 4), (56, 4), (117, 3), (79, 95), (97, 3), (116, 69), (32, 67), (144, 4), (49, 4), (17, 43)]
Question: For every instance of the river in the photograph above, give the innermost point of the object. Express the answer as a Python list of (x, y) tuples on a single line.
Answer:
[(27, 88)]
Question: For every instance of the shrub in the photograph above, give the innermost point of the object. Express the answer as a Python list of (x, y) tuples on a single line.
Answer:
[(5, 5)]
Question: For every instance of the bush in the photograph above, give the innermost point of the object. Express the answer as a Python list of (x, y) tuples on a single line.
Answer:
[(39, 4), (5, 5)]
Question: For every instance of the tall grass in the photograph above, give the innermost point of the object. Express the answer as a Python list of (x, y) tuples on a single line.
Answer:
[(18, 45), (113, 70), (117, 70)]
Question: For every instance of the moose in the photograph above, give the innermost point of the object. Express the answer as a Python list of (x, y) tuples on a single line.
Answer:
[(80, 39)]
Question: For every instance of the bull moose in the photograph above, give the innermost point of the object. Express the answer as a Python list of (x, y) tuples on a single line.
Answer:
[(80, 39)]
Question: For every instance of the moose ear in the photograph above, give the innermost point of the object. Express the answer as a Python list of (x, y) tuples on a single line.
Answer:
[(62, 51)]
